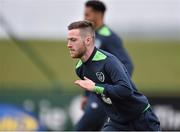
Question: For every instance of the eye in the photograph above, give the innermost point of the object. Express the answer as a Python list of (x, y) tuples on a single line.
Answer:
[(73, 39)]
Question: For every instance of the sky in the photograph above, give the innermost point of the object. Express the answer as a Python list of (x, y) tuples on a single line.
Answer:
[(49, 18)]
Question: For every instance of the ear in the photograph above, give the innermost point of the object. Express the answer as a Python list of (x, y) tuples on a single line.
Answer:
[(88, 40)]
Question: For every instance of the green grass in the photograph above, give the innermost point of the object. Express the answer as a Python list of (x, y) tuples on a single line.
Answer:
[(157, 65)]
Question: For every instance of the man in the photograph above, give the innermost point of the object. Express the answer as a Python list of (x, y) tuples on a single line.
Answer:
[(106, 40), (105, 76)]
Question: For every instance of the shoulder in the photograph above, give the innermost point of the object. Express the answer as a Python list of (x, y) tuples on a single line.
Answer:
[(100, 55), (104, 31), (111, 60), (106, 56), (107, 33)]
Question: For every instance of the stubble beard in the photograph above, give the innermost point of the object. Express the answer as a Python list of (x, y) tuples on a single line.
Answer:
[(81, 51)]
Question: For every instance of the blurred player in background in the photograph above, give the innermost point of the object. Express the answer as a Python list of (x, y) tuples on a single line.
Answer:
[(94, 114), (106, 77)]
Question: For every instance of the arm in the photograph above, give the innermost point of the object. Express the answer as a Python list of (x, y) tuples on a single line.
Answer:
[(120, 87)]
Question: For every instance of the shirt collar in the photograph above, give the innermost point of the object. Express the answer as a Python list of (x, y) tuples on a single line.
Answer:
[(99, 28), (91, 57)]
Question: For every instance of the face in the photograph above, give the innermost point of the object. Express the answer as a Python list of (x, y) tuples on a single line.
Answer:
[(90, 14), (76, 44)]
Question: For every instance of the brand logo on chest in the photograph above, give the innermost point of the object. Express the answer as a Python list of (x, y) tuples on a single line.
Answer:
[(100, 76)]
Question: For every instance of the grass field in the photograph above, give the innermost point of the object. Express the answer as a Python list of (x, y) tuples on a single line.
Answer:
[(157, 65)]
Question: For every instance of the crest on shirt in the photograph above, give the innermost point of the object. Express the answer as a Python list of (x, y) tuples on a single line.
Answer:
[(100, 76)]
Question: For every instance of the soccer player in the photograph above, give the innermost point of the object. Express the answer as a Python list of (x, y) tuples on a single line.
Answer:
[(104, 75), (106, 40)]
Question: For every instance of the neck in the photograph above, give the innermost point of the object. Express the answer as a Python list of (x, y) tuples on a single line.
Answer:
[(99, 23), (87, 55)]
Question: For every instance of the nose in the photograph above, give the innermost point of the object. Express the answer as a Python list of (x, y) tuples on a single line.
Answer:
[(69, 45)]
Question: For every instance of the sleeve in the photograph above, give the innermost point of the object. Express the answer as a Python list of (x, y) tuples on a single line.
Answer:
[(114, 45), (120, 86)]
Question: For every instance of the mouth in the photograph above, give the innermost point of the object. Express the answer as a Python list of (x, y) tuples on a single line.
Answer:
[(72, 51)]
